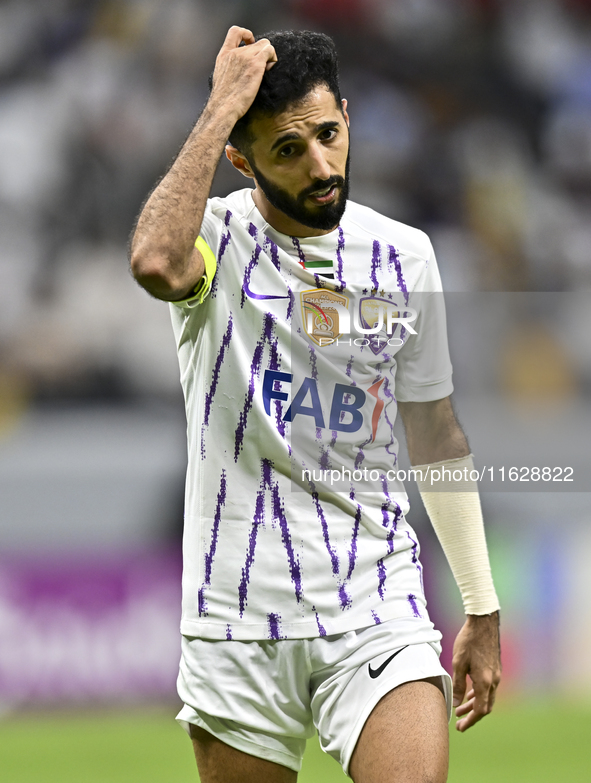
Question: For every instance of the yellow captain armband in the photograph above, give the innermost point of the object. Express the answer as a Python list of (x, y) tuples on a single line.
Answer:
[(202, 288)]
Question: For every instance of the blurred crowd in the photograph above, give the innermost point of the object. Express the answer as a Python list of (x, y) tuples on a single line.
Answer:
[(471, 119)]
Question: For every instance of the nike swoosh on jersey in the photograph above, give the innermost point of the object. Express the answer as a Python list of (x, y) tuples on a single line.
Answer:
[(252, 295), (373, 673)]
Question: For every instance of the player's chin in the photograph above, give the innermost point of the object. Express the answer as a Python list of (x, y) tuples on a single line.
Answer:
[(325, 216)]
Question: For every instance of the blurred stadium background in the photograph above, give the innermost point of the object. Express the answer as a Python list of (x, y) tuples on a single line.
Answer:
[(471, 119)]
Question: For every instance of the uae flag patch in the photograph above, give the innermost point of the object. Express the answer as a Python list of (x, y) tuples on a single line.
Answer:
[(324, 268)]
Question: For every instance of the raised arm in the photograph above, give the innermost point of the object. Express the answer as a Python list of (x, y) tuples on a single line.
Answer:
[(434, 436), (163, 256)]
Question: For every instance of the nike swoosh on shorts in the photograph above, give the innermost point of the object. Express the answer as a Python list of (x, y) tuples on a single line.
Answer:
[(373, 673)]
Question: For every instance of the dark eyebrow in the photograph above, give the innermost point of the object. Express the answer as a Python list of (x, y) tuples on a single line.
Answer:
[(294, 136)]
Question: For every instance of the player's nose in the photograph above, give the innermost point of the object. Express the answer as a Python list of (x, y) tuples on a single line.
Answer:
[(319, 166)]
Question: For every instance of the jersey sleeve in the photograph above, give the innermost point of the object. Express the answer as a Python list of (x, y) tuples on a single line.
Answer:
[(424, 369), (207, 243)]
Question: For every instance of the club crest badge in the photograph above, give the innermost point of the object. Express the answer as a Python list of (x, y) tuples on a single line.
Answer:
[(320, 314)]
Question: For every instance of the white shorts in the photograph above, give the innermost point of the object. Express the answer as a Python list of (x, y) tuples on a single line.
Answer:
[(266, 697)]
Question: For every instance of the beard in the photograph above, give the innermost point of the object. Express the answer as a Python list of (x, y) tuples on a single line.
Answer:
[(324, 217)]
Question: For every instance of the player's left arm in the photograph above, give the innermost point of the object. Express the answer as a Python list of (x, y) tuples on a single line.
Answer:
[(432, 431), (435, 440)]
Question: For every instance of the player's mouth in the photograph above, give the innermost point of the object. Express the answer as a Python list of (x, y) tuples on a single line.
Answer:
[(324, 196)]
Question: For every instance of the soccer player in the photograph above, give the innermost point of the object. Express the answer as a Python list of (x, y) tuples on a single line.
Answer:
[(303, 603)]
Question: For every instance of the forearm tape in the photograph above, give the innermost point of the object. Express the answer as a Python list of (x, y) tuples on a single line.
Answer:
[(455, 513)]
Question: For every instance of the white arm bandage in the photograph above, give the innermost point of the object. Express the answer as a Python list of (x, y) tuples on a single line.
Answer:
[(454, 509)]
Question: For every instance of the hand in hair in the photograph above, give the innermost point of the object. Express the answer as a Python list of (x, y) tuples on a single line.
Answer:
[(239, 69), (163, 255)]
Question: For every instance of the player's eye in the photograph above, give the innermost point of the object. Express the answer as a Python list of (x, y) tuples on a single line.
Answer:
[(327, 134), (285, 152)]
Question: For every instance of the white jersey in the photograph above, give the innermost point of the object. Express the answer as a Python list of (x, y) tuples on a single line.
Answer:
[(278, 394)]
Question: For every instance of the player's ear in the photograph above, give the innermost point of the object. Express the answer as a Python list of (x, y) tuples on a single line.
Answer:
[(239, 161), (344, 110)]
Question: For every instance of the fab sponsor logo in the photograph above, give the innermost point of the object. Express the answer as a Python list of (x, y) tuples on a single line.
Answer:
[(345, 414), (327, 318)]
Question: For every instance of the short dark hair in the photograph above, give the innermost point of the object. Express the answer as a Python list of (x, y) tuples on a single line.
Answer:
[(305, 59)]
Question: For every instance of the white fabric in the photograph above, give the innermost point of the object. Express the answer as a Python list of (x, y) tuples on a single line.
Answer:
[(454, 509), (264, 558), (265, 698)]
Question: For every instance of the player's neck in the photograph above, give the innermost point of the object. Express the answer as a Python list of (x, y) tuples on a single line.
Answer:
[(282, 222)]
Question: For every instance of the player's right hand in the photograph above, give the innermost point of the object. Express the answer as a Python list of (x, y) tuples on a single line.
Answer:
[(239, 70)]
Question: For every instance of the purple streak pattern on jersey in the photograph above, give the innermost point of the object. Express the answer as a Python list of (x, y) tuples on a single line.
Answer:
[(321, 628), (390, 396), (274, 364), (274, 250), (247, 273), (376, 260), (340, 251), (415, 558), (382, 574), (255, 370), (296, 243), (295, 569), (224, 242), (279, 423), (412, 600), (209, 557), (274, 621), (313, 362), (258, 520), (354, 534), (334, 558), (278, 516), (228, 633), (376, 619), (291, 304), (394, 261), (209, 395), (344, 598), (388, 507), (360, 453), (396, 514), (324, 461)]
